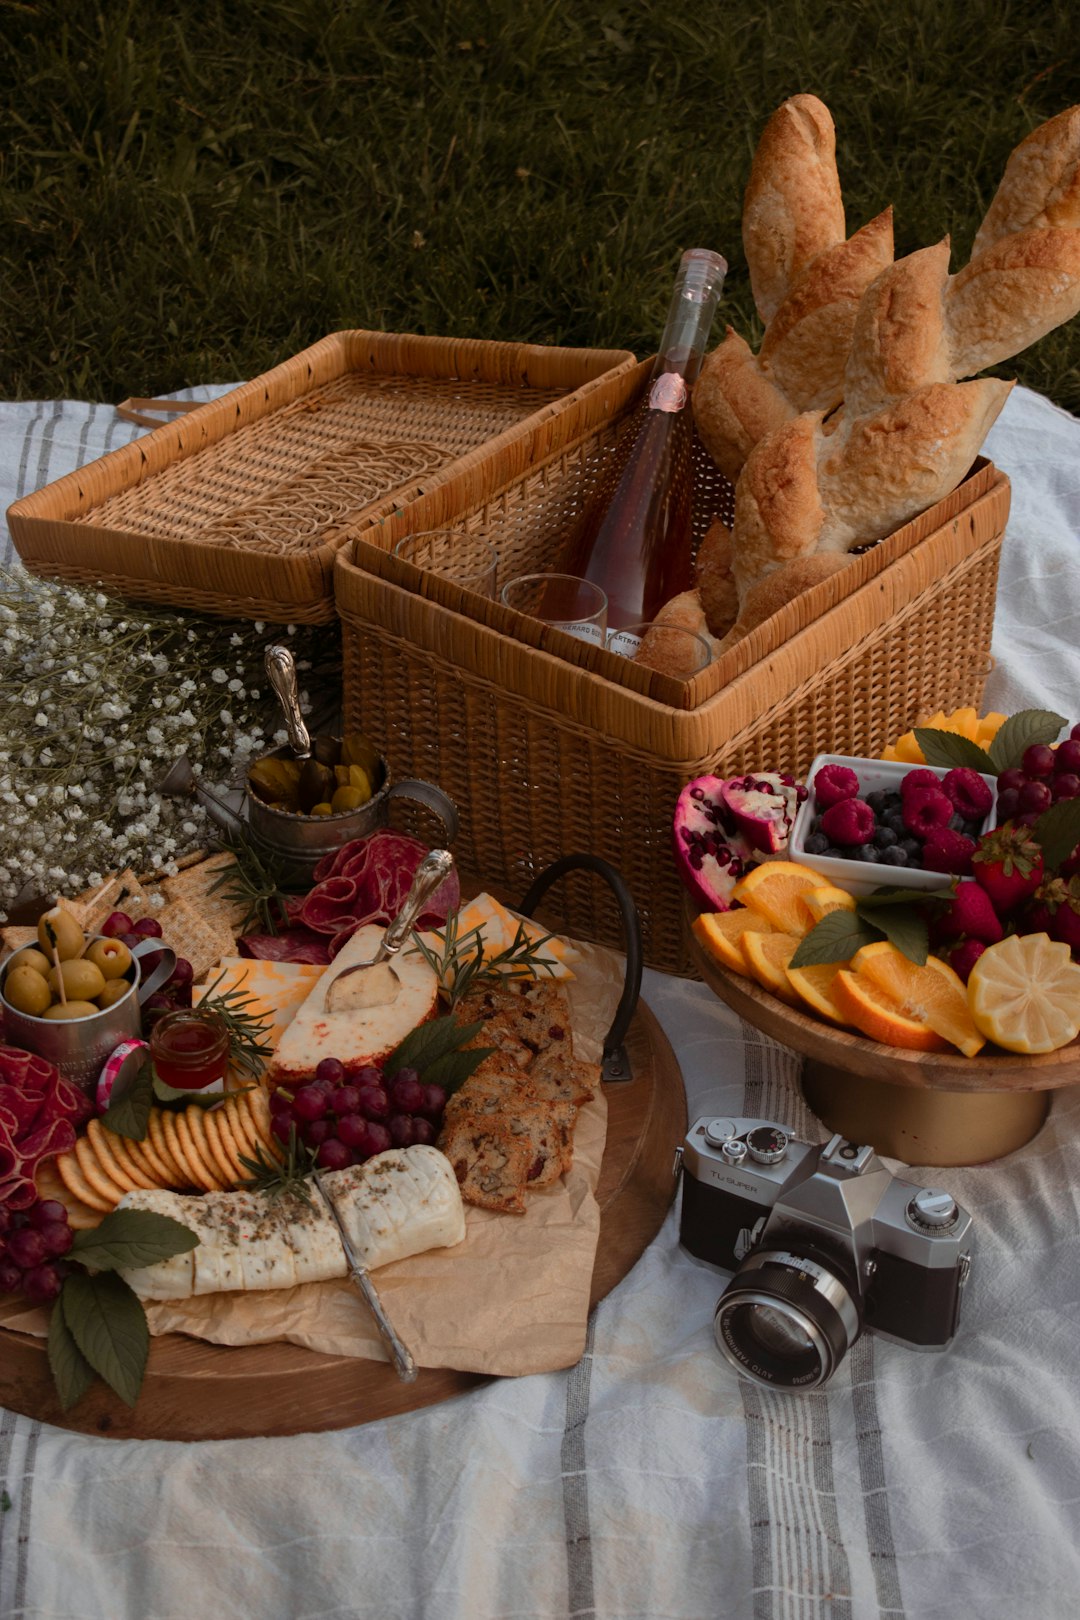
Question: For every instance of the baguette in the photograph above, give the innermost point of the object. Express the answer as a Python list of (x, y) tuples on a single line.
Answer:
[(792, 208), (1040, 188), (777, 589), (714, 579)]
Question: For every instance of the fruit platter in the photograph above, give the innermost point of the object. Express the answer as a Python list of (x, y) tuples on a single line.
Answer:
[(909, 925), (342, 1167)]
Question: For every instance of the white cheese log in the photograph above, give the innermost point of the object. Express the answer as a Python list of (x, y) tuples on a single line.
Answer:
[(399, 1203), (357, 1036)]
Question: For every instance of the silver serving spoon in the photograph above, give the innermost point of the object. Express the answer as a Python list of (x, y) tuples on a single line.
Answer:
[(281, 672), (380, 983)]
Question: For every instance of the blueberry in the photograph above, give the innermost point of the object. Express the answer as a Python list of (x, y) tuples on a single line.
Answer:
[(972, 828), (816, 844), (867, 852), (835, 854), (884, 838), (815, 825), (912, 847), (895, 820), (876, 801), (956, 822), (894, 801), (897, 855)]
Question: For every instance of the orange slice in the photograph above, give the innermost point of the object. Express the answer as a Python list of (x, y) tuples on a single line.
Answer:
[(814, 986), (819, 902), (1024, 994), (877, 1015), (719, 932), (933, 994), (767, 957), (775, 890)]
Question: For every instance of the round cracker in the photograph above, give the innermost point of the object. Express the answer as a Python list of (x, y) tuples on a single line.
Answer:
[(97, 1174), (219, 1145), (70, 1173), (111, 1149), (49, 1184), (152, 1161), (176, 1149), (159, 1141), (232, 1139), (257, 1106), (196, 1118), (243, 1125), (200, 1170)]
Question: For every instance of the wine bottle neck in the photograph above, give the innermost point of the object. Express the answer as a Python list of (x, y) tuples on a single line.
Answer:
[(689, 322)]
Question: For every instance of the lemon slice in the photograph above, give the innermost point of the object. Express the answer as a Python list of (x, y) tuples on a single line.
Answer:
[(1024, 994)]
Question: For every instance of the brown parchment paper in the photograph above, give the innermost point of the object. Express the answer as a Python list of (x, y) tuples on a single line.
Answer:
[(512, 1298)]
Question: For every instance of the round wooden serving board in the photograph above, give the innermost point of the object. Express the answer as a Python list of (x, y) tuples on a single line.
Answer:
[(198, 1391), (933, 1108)]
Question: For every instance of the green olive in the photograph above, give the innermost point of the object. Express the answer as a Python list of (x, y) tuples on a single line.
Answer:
[(82, 980), (114, 990), (111, 956), (325, 809), (27, 991), (73, 1009), (348, 798), (30, 958), (68, 935)]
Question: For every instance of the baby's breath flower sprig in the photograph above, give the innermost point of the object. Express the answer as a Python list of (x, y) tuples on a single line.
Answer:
[(98, 698)]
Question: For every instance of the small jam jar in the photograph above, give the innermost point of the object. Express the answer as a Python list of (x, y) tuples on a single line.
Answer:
[(190, 1049)]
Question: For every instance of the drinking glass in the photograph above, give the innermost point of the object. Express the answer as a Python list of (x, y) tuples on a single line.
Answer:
[(468, 559), (670, 649), (562, 600)]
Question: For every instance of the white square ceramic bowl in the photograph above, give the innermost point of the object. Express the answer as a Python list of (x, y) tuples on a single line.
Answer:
[(857, 877)]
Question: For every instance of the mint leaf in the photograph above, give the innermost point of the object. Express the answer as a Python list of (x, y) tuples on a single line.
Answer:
[(428, 1042), (108, 1324), (902, 927), (453, 1069), (835, 938), (72, 1373), (129, 1114), (1057, 832), (131, 1237), (1020, 731), (947, 749)]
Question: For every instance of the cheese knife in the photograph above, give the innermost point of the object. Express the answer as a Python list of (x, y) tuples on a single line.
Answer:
[(400, 1357), (380, 983)]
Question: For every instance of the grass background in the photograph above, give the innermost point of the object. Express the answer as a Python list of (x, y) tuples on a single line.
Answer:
[(192, 193)]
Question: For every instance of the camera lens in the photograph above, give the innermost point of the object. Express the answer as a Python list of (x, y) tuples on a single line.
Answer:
[(786, 1320)]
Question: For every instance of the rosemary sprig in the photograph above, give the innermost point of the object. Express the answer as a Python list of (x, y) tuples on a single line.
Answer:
[(250, 1045), (287, 1176), (459, 961), (257, 880)]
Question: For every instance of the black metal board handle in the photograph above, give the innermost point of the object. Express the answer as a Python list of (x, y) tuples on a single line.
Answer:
[(615, 1064)]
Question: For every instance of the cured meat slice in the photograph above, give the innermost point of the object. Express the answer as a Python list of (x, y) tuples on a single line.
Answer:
[(294, 945), (39, 1112)]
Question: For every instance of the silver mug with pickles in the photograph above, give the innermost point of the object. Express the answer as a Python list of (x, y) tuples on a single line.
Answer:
[(96, 1017)]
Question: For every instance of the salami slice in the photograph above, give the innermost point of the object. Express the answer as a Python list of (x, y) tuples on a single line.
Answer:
[(294, 945), (39, 1113)]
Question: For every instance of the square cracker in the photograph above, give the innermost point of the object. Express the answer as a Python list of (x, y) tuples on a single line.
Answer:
[(194, 884), (203, 941)]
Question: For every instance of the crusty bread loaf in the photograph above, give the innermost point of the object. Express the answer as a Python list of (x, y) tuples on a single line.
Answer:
[(1040, 188), (792, 209), (674, 655), (735, 404), (777, 589), (715, 581), (899, 342), (1011, 295)]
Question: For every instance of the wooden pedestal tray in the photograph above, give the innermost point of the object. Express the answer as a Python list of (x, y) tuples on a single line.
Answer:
[(922, 1107), (198, 1391)]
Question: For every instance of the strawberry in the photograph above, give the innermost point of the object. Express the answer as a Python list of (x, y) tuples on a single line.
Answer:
[(1008, 864), (1057, 904), (969, 914)]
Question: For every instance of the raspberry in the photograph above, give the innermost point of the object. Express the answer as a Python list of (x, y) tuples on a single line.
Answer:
[(849, 822), (833, 784), (968, 792), (948, 851), (926, 810), (917, 781)]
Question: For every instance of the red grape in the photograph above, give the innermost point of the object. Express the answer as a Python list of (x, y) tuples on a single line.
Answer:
[(1067, 757), (1038, 760), (378, 1138), (423, 1132), (1034, 796), (367, 1077), (5, 1219), (115, 924), (281, 1125), (10, 1276), (46, 1211), (333, 1155), (1074, 734), (41, 1284), (315, 1132), (147, 928), (352, 1130), (401, 1130), (280, 1102), (345, 1100), (331, 1069), (1065, 786), (1012, 778), (1008, 802), (373, 1102), (310, 1102), (131, 940), (149, 962), (183, 972), (26, 1247), (406, 1092), (58, 1238), (434, 1101)]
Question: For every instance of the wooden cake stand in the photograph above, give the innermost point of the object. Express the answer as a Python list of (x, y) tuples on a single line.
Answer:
[(198, 1391), (922, 1107)]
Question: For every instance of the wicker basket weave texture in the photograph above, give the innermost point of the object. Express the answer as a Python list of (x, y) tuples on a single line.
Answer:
[(545, 758)]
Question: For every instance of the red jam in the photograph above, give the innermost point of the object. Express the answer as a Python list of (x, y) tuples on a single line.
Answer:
[(190, 1050)]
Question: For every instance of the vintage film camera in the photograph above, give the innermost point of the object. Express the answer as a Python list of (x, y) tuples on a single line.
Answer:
[(824, 1243)]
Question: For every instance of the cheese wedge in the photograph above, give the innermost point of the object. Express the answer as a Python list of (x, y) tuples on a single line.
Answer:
[(359, 1037), (273, 990), (399, 1203), (498, 929)]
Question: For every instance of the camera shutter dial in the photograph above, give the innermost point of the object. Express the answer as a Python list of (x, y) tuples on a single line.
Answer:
[(767, 1144), (932, 1210), (719, 1131)]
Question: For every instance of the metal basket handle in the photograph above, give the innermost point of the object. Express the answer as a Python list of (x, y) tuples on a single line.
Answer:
[(615, 1064)]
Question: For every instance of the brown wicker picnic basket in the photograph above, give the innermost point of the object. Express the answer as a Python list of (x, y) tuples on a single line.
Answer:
[(551, 746), (238, 507)]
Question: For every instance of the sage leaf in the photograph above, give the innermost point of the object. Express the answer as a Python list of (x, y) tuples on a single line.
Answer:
[(900, 897), (72, 1373), (428, 1042), (835, 938), (1057, 832), (947, 749), (131, 1237), (108, 1324), (129, 1114), (904, 928), (453, 1069), (1020, 731)]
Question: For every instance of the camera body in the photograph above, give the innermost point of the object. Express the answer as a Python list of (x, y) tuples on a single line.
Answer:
[(824, 1242)]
